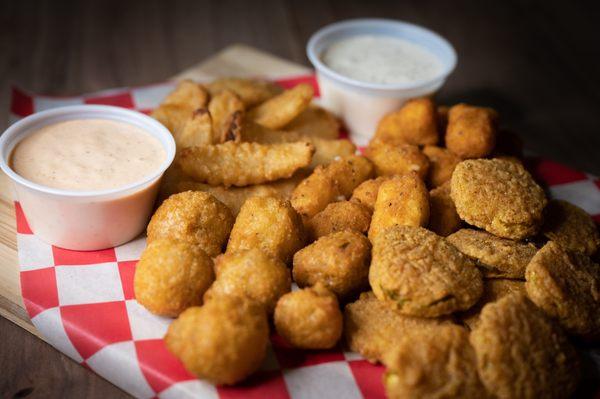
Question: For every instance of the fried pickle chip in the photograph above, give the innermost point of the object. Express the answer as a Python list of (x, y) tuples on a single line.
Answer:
[(435, 363), (171, 276), (223, 341), (315, 122), (521, 353), (366, 192), (270, 224), (330, 183), (397, 159), (326, 150), (243, 164), (373, 327), (571, 227), (227, 111), (309, 318), (195, 217), (471, 131), (498, 196), (566, 285), (339, 216), (174, 118), (234, 197), (402, 200), (250, 91), (497, 257), (493, 289), (443, 219), (441, 164), (280, 110), (421, 274), (415, 123), (253, 274), (340, 261)]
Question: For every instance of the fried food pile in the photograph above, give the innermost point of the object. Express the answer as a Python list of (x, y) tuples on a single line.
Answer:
[(436, 253)]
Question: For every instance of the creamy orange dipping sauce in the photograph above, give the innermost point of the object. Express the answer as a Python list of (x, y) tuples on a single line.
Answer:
[(88, 155)]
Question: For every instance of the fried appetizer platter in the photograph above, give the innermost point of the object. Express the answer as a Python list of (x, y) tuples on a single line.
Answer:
[(435, 253)]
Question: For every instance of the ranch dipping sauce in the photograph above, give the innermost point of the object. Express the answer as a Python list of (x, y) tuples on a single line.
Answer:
[(87, 155), (381, 59)]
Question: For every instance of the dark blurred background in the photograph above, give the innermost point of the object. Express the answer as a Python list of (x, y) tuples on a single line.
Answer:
[(537, 62)]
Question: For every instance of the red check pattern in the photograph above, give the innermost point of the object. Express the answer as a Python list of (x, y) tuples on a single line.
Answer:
[(83, 302)]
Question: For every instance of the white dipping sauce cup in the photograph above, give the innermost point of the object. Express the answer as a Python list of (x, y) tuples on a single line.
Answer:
[(360, 104), (86, 220)]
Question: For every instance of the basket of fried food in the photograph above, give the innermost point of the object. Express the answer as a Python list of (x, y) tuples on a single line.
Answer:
[(435, 253)]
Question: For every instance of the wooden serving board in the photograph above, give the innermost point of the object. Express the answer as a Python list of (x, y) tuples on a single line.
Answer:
[(235, 60)]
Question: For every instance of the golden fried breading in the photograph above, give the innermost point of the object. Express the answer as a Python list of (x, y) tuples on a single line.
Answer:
[(340, 261), (566, 285), (270, 224), (496, 257), (421, 274), (373, 327), (170, 181), (250, 91), (471, 131), (498, 196), (188, 94), (223, 341), (493, 289), (326, 150), (315, 122), (366, 192), (253, 274), (415, 123), (234, 197), (441, 164), (171, 276), (330, 183), (242, 164), (397, 159), (280, 110), (175, 118), (523, 354), (443, 219), (402, 200), (571, 227), (339, 216), (435, 363), (197, 130), (195, 217), (226, 110), (309, 318)]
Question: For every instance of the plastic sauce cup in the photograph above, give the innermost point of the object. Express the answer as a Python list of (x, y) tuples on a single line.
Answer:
[(361, 104), (86, 220)]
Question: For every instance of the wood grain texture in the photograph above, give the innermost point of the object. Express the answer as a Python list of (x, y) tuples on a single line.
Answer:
[(535, 61)]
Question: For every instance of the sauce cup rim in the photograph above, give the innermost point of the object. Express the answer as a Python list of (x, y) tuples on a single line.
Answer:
[(351, 24), (16, 132)]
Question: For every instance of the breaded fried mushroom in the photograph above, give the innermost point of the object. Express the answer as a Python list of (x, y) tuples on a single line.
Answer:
[(415, 123), (400, 159), (441, 164), (339, 216), (471, 131), (253, 274), (171, 276), (340, 261), (223, 341), (309, 318), (366, 192), (571, 227), (270, 224), (195, 217), (402, 200)]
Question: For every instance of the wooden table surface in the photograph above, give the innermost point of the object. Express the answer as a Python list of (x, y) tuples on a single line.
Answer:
[(536, 62)]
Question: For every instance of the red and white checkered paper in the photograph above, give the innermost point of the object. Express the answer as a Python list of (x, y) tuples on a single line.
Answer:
[(83, 302)]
